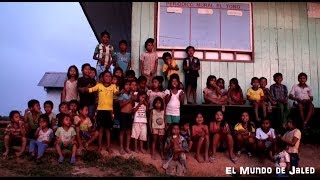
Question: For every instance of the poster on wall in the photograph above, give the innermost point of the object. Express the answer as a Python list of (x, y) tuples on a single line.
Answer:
[(313, 10)]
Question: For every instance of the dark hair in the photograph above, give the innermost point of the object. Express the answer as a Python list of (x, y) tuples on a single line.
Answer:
[(125, 81), (117, 69), (281, 145), (235, 81), (172, 77), (134, 80), (142, 78), (123, 42), (50, 103), (223, 122), (253, 79), (165, 55), (74, 101), (105, 33), (33, 102), (294, 123), (302, 74), (173, 124), (77, 72), (100, 75), (220, 79), (160, 80), (263, 78), (140, 93), (156, 100), (276, 75), (250, 123), (190, 47), (209, 79), (12, 113), (81, 106), (61, 118), (45, 118), (130, 73), (93, 69), (149, 40), (63, 103), (183, 122), (265, 119), (105, 72), (85, 65)]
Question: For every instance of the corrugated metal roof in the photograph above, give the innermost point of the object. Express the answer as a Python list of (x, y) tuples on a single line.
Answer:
[(53, 79)]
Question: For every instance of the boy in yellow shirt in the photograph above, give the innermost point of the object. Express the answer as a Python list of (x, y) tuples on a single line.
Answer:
[(104, 119), (170, 66), (255, 96)]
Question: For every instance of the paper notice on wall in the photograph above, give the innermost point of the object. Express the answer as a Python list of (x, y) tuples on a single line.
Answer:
[(314, 10), (174, 10), (205, 11), (234, 13)]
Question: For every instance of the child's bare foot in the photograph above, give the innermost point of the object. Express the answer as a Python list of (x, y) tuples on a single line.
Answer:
[(5, 153), (109, 151), (153, 156), (206, 159), (122, 152), (18, 154), (128, 150), (198, 159), (143, 151)]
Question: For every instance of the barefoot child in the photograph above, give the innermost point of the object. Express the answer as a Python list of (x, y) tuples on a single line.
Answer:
[(255, 96), (268, 99), (139, 126), (70, 91), (126, 121), (212, 94), (149, 62), (84, 128), (104, 118), (245, 134), (65, 139), (15, 132), (282, 158), (200, 134), (175, 148), (221, 134), (44, 136), (73, 108), (266, 139), (48, 106), (157, 125), (185, 132), (235, 95)]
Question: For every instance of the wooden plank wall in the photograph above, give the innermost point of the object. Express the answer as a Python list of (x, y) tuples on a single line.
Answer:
[(285, 40)]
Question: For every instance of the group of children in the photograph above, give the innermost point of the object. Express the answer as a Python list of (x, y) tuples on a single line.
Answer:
[(91, 104)]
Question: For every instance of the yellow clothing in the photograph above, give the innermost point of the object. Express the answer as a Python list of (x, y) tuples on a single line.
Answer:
[(105, 101), (170, 72), (255, 95), (239, 127)]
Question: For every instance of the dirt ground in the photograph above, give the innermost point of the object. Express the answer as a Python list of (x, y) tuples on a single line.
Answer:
[(309, 156)]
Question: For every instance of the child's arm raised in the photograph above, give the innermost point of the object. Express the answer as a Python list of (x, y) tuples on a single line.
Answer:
[(135, 109), (181, 97)]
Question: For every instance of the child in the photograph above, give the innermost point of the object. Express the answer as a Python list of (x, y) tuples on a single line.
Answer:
[(220, 84), (31, 117), (84, 128), (170, 66), (131, 75), (255, 96), (125, 100), (87, 82), (292, 139), (302, 94), (104, 118), (44, 136), (266, 138), (279, 93), (149, 62), (191, 67), (235, 95), (185, 132), (175, 148), (70, 91), (282, 158), (267, 94), (123, 58), (156, 90), (63, 109), (93, 73), (104, 54), (15, 132), (245, 134), (142, 81), (200, 133), (65, 139), (48, 106), (134, 89), (73, 108), (221, 133), (174, 99), (212, 93), (139, 126), (157, 125)]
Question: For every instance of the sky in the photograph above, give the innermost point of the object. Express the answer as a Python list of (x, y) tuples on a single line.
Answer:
[(39, 37)]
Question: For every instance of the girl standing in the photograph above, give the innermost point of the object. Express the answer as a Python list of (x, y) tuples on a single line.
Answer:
[(70, 91)]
